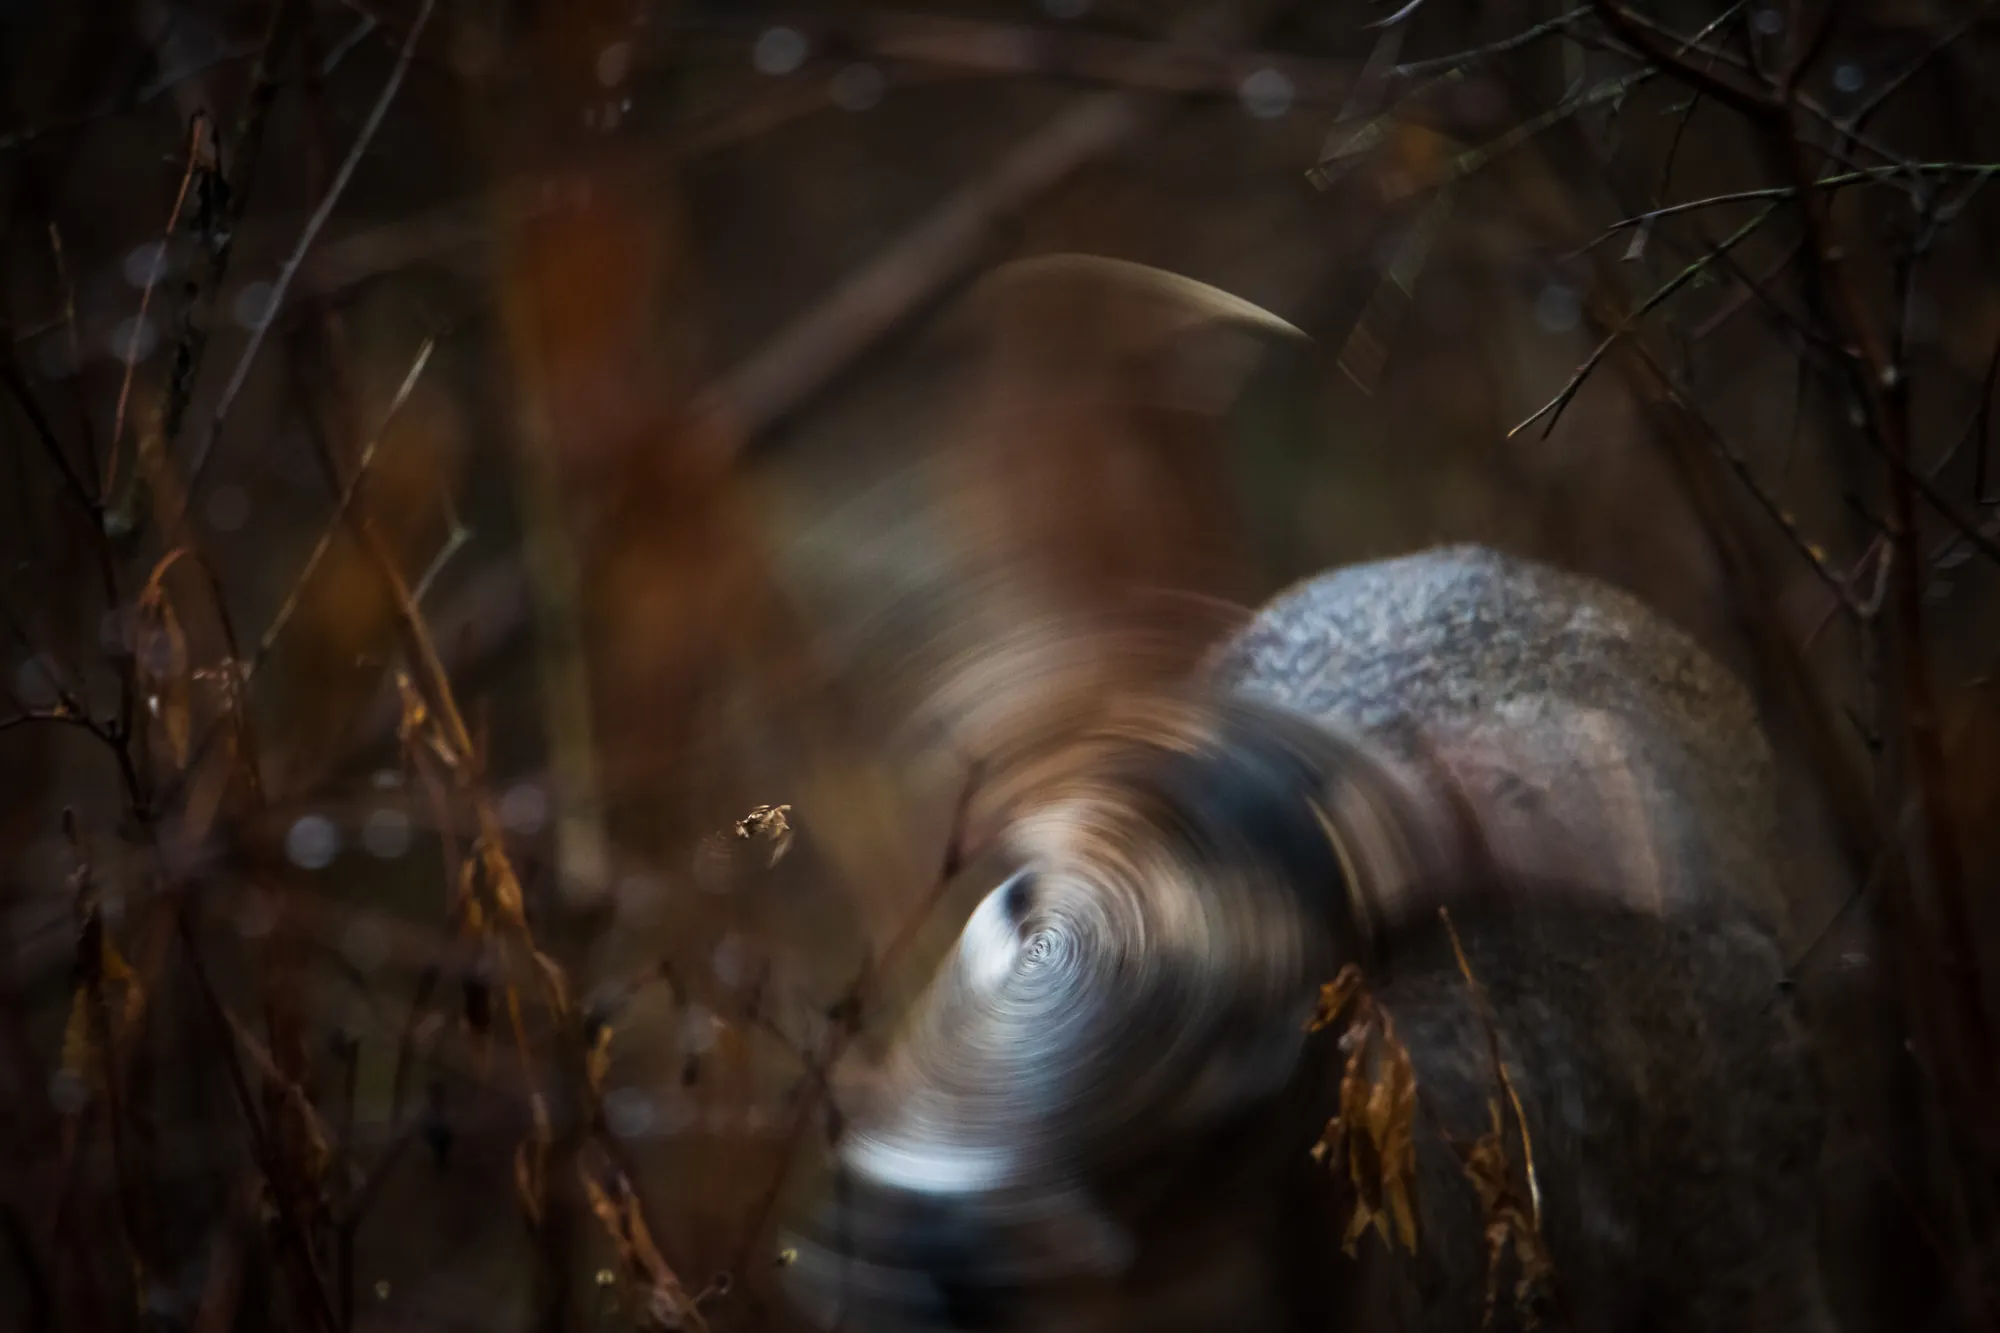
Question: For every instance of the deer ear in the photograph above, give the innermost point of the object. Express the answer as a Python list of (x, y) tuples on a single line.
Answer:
[(1252, 379), (1180, 303)]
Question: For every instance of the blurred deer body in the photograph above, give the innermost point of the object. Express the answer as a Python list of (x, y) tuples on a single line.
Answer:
[(1100, 1116), (1588, 738)]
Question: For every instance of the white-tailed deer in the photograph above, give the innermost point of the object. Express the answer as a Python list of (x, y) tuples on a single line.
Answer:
[(1102, 1113)]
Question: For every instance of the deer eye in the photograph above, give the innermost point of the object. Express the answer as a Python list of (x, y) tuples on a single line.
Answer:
[(1017, 897)]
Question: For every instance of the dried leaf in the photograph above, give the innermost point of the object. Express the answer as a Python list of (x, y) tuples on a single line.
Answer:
[(556, 982), (767, 829), (120, 973), (1364, 355), (1398, 1145), (772, 825), (597, 1063), (415, 714), (466, 897), (77, 1045), (1357, 1227), (616, 1206), (504, 890), (1374, 1133), (1509, 1219), (416, 726), (1334, 997), (1510, 1224), (529, 1160), (161, 656)]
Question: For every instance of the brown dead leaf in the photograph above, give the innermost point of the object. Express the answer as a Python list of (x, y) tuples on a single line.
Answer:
[(161, 654), (120, 973), (1393, 1111), (77, 1045), (503, 888), (616, 1206), (555, 983), (529, 1162), (1511, 1219), (1510, 1223), (770, 824), (1334, 997), (760, 839), (1374, 1133), (416, 725), (597, 1062)]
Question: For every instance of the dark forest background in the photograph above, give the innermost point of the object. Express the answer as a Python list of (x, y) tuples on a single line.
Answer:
[(519, 521)]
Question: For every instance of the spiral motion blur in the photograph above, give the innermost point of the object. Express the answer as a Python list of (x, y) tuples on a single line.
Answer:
[(1119, 1034)]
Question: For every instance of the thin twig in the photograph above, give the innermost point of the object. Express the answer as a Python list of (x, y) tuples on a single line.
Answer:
[(45, 435), (1560, 24), (59, 716), (313, 1293), (366, 24), (1753, 99), (1136, 63), (454, 542), (1779, 192), (198, 465), (848, 1013), (1652, 43), (220, 228), (1753, 288), (1483, 1004), (1554, 407), (117, 106), (340, 513), (146, 297), (67, 281)]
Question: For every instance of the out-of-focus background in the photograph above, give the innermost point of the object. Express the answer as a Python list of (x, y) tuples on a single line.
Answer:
[(523, 525)]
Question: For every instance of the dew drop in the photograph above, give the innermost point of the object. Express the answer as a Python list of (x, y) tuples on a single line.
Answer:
[(145, 264), (628, 1113), (252, 307), (778, 51), (614, 62), (857, 87), (524, 809), (386, 835), (1266, 93), (312, 842), (1558, 307), (136, 337)]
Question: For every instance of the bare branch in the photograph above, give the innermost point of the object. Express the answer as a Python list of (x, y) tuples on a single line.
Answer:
[(197, 466), (340, 513), (1670, 53), (1554, 407), (1558, 25), (195, 132), (45, 434), (1979, 171)]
